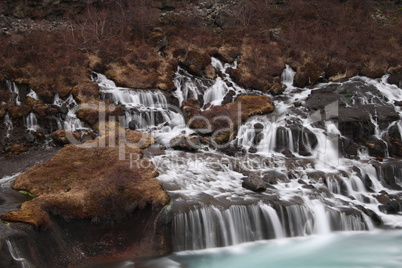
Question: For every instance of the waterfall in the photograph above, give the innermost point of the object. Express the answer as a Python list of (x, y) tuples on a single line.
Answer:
[(14, 88), (15, 254), (314, 191), (8, 124), (31, 122), (32, 94), (70, 122), (208, 227), (209, 92), (287, 77)]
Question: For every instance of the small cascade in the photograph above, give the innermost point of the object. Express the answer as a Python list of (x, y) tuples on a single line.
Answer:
[(287, 77), (8, 124), (15, 254), (32, 94), (70, 122), (208, 227), (144, 109), (209, 92), (188, 86), (14, 88), (31, 122)]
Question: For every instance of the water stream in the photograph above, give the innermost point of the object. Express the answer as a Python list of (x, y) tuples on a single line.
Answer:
[(313, 188)]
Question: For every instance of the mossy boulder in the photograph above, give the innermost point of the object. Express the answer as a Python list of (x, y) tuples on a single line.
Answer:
[(195, 61), (93, 111), (102, 180), (222, 121), (63, 137), (86, 92), (308, 74), (19, 111)]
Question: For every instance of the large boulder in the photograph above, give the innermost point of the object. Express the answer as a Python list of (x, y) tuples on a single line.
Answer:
[(189, 143), (222, 121), (254, 183), (86, 92), (102, 180)]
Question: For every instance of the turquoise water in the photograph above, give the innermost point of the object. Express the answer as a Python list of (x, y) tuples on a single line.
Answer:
[(378, 249)]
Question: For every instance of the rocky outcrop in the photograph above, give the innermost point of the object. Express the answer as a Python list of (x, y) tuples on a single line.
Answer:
[(189, 143), (221, 122), (101, 180), (254, 183), (94, 111)]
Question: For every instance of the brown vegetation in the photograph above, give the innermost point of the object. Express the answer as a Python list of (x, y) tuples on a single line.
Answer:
[(91, 183), (222, 121)]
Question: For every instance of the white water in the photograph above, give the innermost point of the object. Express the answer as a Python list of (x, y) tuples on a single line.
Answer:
[(31, 122), (15, 254), (71, 122), (319, 192), (14, 88), (8, 124)]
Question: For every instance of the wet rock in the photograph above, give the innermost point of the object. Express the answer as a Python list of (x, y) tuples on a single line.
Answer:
[(383, 199), (195, 62), (93, 111), (376, 147), (394, 146), (308, 74), (258, 133), (30, 138), (303, 137), (252, 150), (189, 143), (254, 183), (287, 153), (210, 72), (377, 221), (2, 113), (223, 120), (392, 207), (43, 110), (395, 79), (274, 177), (63, 137), (276, 89), (368, 183), (18, 148), (229, 97)]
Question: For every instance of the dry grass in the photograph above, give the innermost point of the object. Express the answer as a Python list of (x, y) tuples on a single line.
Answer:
[(91, 183)]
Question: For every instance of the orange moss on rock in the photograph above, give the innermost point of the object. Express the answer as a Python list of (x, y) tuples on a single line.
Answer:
[(222, 121), (85, 92), (96, 181), (91, 111)]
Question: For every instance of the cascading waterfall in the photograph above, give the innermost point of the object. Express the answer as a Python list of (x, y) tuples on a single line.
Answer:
[(70, 122), (31, 122), (14, 88), (316, 191), (8, 124), (15, 254)]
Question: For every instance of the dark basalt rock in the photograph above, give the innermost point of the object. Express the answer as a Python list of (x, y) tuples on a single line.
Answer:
[(254, 183), (392, 207), (189, 143)]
